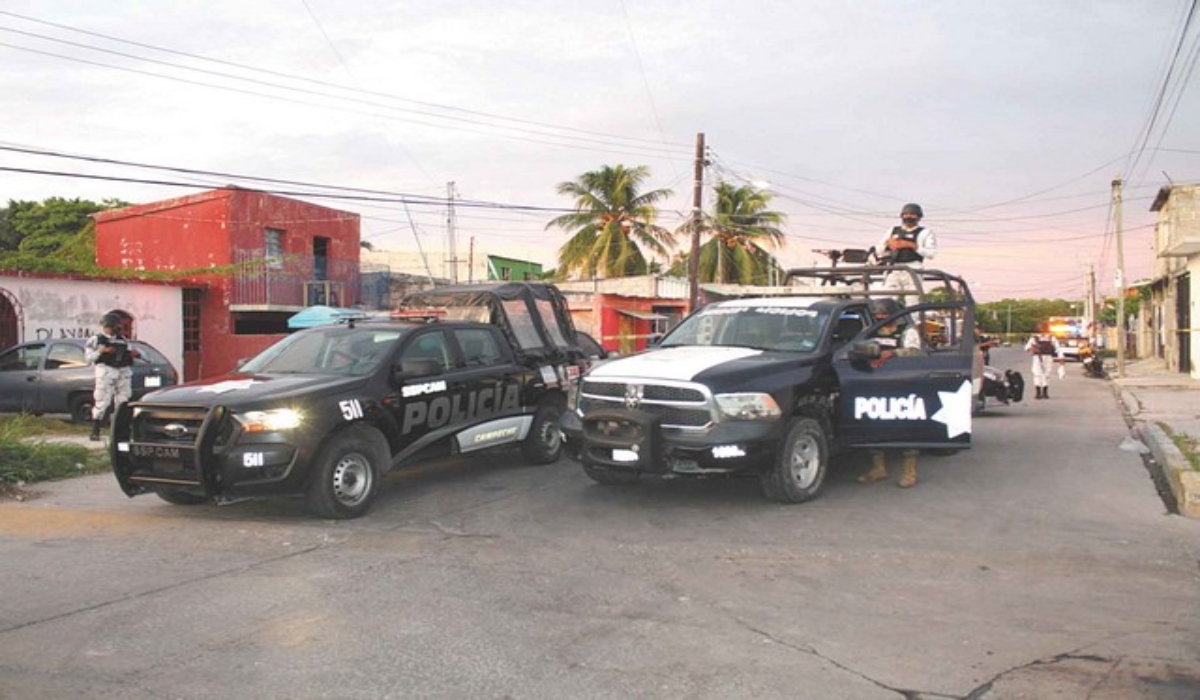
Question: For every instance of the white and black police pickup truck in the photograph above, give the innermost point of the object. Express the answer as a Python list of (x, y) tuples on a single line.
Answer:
[(771, 387), (326, 411)]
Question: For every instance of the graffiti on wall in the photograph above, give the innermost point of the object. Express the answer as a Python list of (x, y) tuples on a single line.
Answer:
[(54, 333)]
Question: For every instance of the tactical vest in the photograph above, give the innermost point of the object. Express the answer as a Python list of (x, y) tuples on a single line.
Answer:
[(906, 255), (120, 358)]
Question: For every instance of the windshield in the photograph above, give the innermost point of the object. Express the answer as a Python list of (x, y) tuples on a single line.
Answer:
[(327, 350), (762, 327)]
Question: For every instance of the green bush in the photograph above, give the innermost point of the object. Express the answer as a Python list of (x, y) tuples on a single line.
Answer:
[(27, 455)]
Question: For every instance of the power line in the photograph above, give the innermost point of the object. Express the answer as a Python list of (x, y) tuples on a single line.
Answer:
[(292, 193), (1144, 136), (633, 141)]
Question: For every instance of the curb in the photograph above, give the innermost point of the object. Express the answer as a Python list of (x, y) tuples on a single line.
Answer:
[(1185, 482)]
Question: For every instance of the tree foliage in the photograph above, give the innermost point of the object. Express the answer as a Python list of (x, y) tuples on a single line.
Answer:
[(55, 235), (612, 226), (741, 232), (1023, 316)]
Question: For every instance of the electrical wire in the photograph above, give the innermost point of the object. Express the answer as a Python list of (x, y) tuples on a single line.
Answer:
[(605, 137)]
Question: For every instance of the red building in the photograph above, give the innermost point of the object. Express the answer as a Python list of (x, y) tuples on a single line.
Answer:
[(251, 260), (625, 313)]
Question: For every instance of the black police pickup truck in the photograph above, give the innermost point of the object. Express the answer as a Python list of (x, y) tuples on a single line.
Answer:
[(771, 387), (323, 413)]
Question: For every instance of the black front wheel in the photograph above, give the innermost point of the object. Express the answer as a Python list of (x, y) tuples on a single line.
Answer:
[(544, 443), (800, 467), (346, 473)]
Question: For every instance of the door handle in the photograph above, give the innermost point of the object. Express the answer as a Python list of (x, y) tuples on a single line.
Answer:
[(947, 374)]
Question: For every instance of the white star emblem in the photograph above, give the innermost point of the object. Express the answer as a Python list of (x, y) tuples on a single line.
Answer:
[(230, 385), (955, 412)]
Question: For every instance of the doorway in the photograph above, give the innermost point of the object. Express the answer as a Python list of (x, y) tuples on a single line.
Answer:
[(10, 319)]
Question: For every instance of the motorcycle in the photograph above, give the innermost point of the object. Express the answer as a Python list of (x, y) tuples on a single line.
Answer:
[(1000, 388), (1093, 366)]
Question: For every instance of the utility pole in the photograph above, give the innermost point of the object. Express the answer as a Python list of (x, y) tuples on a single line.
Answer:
[(1116, 188), (1090, 304), (450, 233), (697, 202)]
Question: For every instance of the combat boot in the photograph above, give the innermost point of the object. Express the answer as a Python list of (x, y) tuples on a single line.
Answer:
[(908, 477), (95, 437), (1046, 392), (878, 469)]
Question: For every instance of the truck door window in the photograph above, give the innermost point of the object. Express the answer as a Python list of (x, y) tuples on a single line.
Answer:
[(848, 325), (429, 346), (479, 347)]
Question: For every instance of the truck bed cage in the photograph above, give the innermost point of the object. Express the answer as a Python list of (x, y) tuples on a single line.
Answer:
[(868, 281)]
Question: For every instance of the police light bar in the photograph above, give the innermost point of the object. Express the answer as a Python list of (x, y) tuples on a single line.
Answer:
[(425, 315)]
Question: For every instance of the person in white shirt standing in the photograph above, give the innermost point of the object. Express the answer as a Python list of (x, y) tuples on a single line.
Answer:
[(1044, 349)]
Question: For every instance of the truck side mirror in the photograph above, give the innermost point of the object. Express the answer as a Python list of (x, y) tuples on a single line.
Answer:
[(864, 351)]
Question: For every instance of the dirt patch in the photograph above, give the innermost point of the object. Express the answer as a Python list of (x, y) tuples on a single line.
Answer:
[(12, 492)]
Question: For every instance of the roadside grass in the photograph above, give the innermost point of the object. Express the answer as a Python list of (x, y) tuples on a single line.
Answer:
[(28, 453), (1188, 445)]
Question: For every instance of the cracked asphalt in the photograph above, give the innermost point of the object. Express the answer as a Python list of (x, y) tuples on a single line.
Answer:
[(1042, 563)]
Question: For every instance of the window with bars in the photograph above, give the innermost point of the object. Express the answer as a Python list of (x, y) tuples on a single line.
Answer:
[(191, 320), (274, 248)]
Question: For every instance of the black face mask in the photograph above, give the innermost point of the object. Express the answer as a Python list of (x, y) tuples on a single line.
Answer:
[(909, 220)]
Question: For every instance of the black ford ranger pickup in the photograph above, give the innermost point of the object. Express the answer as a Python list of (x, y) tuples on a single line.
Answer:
[(771, 387), (326, 411)]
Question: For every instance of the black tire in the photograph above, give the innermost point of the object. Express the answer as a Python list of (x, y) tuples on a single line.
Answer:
[(346, 472), (178, 497), (801, 465), (80, 408), (609, 477), (544, 443)]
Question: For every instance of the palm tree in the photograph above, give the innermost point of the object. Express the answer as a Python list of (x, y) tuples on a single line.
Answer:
[(743, 230), (613, 221)]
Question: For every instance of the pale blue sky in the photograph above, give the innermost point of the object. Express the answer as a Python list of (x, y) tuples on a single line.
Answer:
[(1007, 121)]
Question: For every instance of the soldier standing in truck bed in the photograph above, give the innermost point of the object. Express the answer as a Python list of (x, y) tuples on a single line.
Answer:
[(906, 245)]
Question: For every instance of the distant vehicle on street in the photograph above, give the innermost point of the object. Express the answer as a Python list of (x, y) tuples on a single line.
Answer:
[(52, 376), (1071, 334)]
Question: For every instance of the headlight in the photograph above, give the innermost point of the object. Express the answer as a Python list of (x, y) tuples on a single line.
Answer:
[(747, 406), (269, 421)]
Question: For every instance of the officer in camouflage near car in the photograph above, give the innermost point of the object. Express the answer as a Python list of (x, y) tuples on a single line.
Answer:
[(111, 354)]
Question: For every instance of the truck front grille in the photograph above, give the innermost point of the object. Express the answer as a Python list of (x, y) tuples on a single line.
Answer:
[(173, 425), (685, 406)]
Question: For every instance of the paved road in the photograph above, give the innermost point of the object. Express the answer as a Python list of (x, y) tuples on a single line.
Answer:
[(1040, 564)]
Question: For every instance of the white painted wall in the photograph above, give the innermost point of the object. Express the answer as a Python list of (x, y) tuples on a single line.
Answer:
[(49, 307)]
